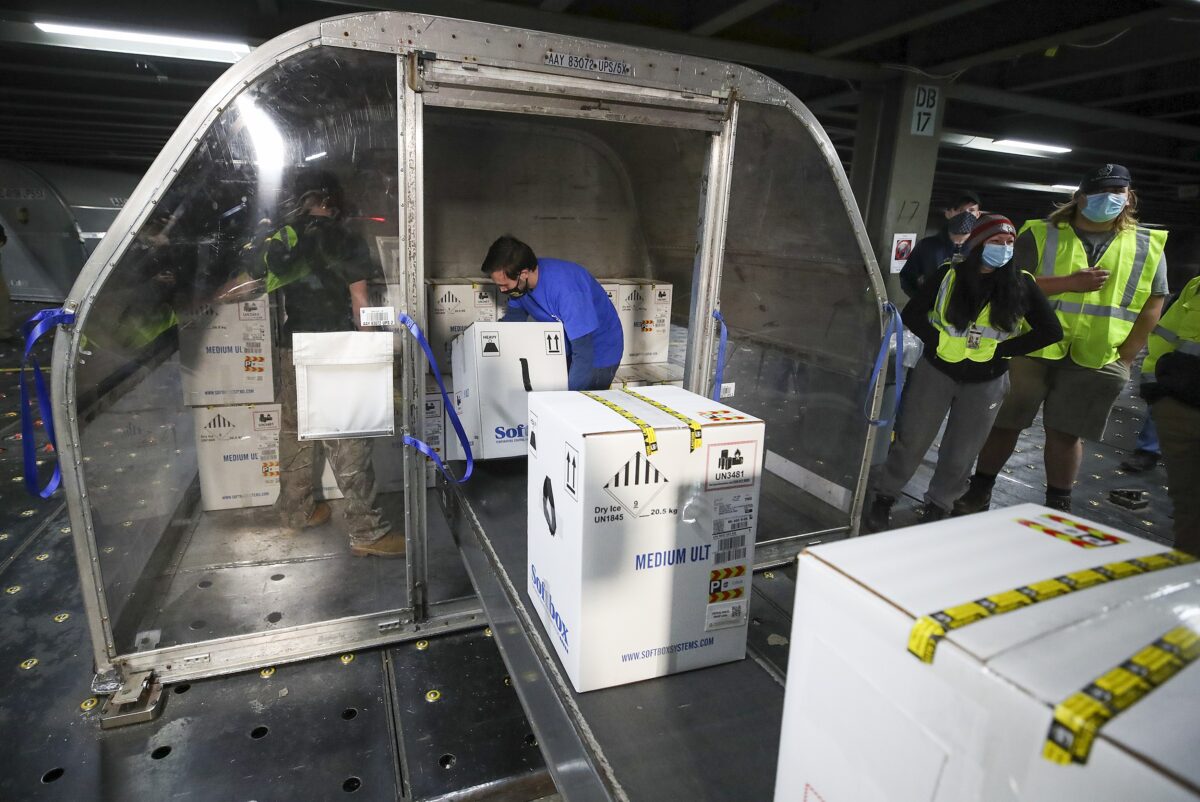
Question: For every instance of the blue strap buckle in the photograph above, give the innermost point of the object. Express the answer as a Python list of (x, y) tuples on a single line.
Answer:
[(893, 329), (724, 342), (423, 447)]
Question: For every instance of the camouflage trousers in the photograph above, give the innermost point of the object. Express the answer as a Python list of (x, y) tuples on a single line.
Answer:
[(302, 462)]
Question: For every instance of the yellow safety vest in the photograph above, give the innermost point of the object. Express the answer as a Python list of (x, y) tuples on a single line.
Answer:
[(1179, 329), (977, 343), (1096, 323)]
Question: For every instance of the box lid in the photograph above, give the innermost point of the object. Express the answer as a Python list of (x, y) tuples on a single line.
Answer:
[(588, 417), (1057, 646)]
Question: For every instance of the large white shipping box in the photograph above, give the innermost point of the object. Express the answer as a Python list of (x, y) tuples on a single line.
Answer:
[(453, 304), (641, 526), (645, 311), (496, 367), (225, 353), (1047, 685), (237, 448)]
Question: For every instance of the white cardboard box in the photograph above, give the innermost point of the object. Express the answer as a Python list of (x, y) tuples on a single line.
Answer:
[(454, 304), (614, 288), (648, 375), (225, 353), (237, 448), (640, 566), (866, 720), (645, 311), (496, 366)]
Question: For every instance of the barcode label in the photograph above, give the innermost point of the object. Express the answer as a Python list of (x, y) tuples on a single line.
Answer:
[(253, 348), (724, 525), (730, 549), (377, 316)]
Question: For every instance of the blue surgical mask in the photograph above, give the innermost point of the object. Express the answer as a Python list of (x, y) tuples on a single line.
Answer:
[(1104, 206), (997, 255)]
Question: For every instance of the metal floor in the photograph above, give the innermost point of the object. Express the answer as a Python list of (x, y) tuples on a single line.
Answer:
[(362, 727)]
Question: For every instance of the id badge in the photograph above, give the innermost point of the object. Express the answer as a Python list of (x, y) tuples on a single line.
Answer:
[(974, 334)]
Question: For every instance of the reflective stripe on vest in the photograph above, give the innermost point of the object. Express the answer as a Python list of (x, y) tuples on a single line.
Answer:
[(952, 342), (1179, 329), (1096, 323)]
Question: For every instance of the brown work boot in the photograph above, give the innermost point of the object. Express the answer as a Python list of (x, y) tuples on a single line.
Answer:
[(390, 545), (321, 514)]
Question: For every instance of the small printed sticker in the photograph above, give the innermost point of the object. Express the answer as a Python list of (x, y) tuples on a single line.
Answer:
[(490, 340), (265, 421), (252, 310), (1085, 536), (723, 615), (721, 415), (553, 343), (731, 465), (377, 316)]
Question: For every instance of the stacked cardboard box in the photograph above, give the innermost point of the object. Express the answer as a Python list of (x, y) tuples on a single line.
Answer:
[(452, 305)]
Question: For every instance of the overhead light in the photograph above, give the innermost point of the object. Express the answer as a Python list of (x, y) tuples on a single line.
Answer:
[(1065, 187), (1017, 146), (1055, 189), (146, 44), (315, 156), (1012, 146)]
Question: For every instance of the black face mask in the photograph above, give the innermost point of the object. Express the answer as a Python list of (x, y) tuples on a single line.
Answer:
[(961, 223), (519, 290)]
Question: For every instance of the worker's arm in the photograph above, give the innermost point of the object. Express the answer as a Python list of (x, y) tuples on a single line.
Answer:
[(514, 314), (1147, 319), (1088, 280), (583, 363), (358, 300), (916, 311)]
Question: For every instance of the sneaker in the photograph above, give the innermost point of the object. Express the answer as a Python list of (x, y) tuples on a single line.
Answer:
[(1060, 503), (390, 545), (878, 517), (321, 514), (1139, 461), (977, 499)]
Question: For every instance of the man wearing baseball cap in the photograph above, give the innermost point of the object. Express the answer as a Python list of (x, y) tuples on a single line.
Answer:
[(1106, 277)]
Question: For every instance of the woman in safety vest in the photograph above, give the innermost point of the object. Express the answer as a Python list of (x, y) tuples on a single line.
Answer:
[(972, 317)]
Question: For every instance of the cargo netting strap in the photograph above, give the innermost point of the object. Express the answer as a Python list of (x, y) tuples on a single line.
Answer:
[(719, 377), (423, 447), (32, 331), (893, 329)]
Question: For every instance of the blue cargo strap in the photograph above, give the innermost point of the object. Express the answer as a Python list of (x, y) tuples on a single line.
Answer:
[(33, 329), (420, 446), (893, 328), (724, 341)]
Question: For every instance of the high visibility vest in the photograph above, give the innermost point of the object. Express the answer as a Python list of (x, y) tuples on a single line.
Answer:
[(1095, 323), (1179, 329), (977, 342), (282, 267)]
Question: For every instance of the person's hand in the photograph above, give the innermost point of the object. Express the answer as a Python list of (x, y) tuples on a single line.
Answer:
[(1088, 280), (1126, 357)]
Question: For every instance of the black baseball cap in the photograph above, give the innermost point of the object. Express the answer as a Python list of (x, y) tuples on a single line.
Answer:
[(1106, 176)]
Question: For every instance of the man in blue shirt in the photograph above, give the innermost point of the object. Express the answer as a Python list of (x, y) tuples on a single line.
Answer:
[(556, 290)]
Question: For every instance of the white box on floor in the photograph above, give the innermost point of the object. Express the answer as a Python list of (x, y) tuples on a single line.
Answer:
[(645, 310), (614, 289), (453, 304), (225, 353), (237, 448), (640, 565), (648, 375), (388, 455), (496, 366), (864, 719)]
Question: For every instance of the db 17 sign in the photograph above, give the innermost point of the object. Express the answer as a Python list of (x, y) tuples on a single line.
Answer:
[(925, 105)]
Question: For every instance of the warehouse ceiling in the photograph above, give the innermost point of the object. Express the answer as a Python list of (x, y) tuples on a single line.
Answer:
[(1112, 81)]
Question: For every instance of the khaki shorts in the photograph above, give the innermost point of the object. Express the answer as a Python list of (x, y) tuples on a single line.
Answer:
[(1077, 400)]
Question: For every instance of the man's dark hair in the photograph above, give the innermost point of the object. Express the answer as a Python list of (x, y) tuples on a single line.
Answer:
[(510, 255), (962, 198)]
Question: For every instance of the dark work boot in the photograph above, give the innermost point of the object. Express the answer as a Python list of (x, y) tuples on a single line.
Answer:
[(1058, 500), (878, 517), (931, 512), (977, 498)]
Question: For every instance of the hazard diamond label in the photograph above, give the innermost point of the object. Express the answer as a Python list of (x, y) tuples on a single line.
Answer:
[(636, 484)]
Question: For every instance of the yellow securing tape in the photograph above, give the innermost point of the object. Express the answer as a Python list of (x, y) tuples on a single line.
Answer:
[(693, 427), (929, 629), (1079, 717), (648, 435)]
